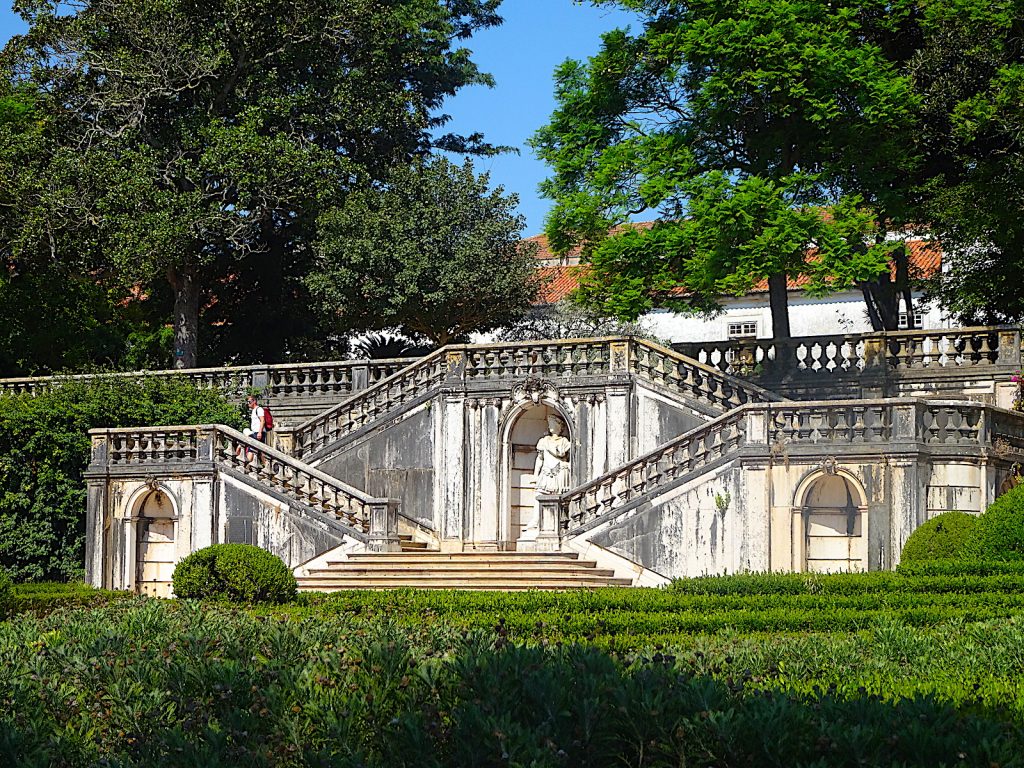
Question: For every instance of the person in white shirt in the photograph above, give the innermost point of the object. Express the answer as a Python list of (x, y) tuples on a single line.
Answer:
[(257, 428)]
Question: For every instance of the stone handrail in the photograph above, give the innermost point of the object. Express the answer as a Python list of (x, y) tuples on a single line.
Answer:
[(279, 380), (555, 358), (364, 407), (688, 454), (559, 359), (152, 449), (685, 375), (777, 428), (903, 351)]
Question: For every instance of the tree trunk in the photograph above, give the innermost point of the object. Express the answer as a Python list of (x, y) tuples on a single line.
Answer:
[(778, 296), (186, 316), (882, 301)]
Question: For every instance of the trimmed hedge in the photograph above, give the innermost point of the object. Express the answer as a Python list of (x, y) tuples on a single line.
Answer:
[(999, 533), (238, 573), (941, 538)]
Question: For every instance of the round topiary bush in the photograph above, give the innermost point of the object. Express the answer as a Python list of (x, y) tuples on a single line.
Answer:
[(941, 538), (999, 534), (239, 573)]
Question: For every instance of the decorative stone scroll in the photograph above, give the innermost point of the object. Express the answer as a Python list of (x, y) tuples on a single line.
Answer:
[(536, 389)]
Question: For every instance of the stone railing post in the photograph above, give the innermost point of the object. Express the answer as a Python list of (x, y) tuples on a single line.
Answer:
[(455, 365), (1009, 348), (206, 444), (906, 422), (360, 376), (383, 535), (284, 440), (548, 539), (260, 378), (618, 356), (100, 449), (757, 425)]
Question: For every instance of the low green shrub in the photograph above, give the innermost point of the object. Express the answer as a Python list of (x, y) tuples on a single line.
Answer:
[(961, 568), (239, 573), (999, 532), (941, 538)]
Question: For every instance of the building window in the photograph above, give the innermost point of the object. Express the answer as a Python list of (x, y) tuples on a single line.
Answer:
[(910, 320), (747, 330)]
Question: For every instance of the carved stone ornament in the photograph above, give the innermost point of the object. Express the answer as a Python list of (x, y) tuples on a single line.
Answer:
[(534, 388), (830, 465)]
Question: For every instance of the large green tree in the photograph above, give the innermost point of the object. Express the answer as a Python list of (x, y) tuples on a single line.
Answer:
[(433, 252), (196, 143), (728, 120), (969, 71)]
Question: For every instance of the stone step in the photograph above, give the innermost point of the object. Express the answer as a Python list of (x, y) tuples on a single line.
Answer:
[(473, 569), (480, 558), (460, 570), (419, 582)]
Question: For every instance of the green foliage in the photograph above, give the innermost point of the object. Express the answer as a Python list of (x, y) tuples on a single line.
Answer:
[(566, 320), (239, 573), (44, 449), (967, 568), (41, 598), (734, 123), (191, 146), (435, 253), (940, 538), (999, 532), (969, 67), (184, 684), (6, 588)]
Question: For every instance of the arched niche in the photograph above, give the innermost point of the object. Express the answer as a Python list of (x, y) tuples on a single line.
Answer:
[(521, 431), (830, 530), (154, 521)]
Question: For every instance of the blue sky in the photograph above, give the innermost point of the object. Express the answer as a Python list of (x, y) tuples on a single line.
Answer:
[(522, 55)]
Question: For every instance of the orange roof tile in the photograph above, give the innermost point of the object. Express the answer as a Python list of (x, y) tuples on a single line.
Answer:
[(561, 280)]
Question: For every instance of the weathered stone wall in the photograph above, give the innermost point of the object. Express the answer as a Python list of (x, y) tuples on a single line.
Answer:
[(250, 516), (395, 460), (659, 418)]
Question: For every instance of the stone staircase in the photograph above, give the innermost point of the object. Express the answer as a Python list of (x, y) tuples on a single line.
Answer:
[(504, 571)]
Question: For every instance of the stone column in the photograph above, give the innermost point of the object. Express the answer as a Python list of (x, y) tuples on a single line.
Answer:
[(451, 512), (905, 493), (617, 425), (97, 525)]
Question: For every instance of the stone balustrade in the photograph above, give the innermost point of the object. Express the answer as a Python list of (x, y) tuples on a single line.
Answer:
[(891, 351), (382, 397), (155, 450), (547, 359), (705, 383), (285, 380), (480, 364), (687, 455), (781, 431)]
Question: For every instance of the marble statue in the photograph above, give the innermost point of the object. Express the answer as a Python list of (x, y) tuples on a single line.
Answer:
[(552, 467)]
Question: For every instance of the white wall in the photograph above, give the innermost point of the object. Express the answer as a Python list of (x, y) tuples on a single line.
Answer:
[(840, 313)]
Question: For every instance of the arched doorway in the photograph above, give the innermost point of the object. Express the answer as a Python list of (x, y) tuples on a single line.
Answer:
[(834, 526), (519, 507), (154, 545)]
